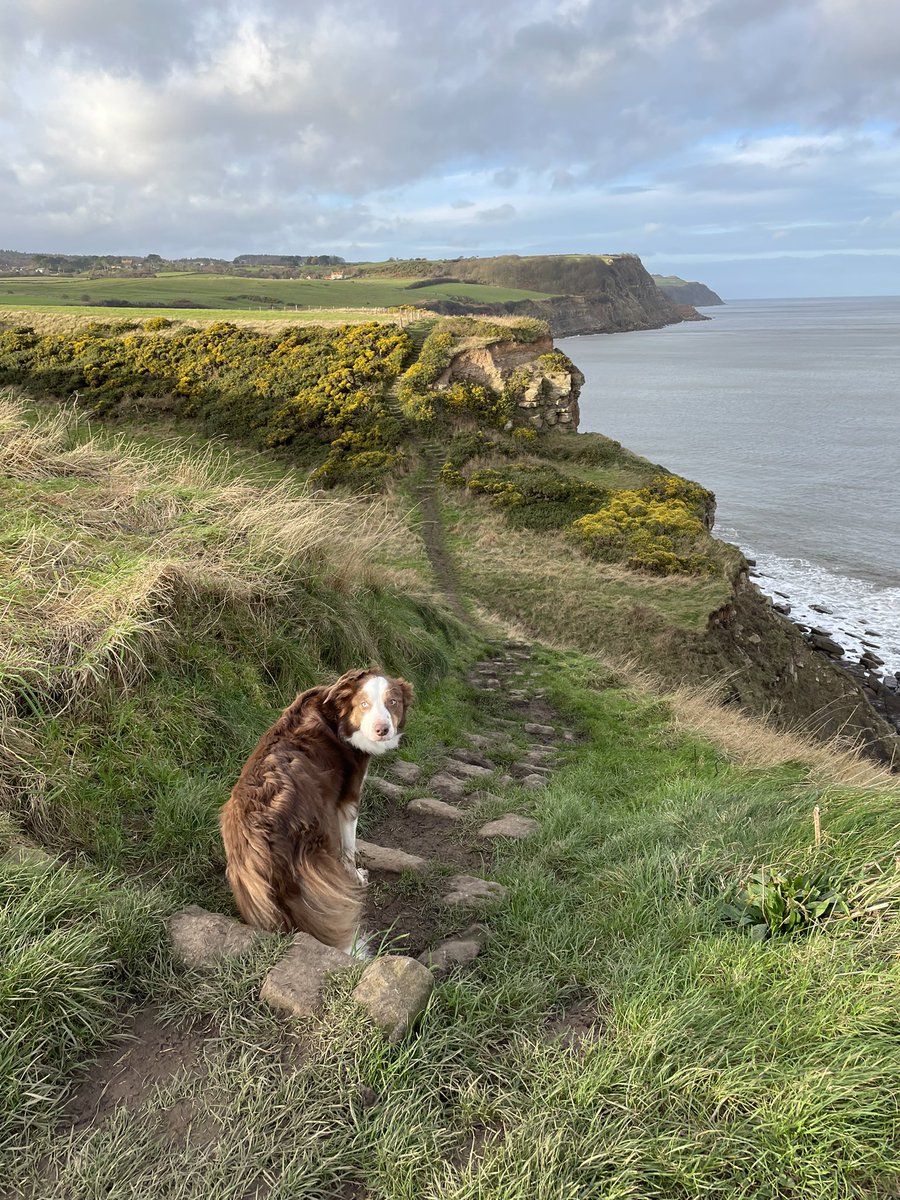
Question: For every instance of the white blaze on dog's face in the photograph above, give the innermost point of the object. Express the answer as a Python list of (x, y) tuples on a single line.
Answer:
[(378, 713)]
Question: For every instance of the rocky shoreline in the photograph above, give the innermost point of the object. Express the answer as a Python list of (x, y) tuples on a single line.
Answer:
[(857, 655)]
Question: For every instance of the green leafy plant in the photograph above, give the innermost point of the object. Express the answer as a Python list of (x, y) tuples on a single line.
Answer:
[(770, 904)]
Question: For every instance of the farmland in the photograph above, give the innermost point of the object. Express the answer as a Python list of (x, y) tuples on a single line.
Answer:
[(234, 296)]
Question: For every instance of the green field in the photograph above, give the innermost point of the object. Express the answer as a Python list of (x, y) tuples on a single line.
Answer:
[(220, 294)]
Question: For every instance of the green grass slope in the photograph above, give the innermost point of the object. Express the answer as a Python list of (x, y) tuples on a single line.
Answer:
[(235, 293), (159, 609), (692, 988)]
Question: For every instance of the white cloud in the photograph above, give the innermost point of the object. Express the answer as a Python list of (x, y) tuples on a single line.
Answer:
[(514, 125)]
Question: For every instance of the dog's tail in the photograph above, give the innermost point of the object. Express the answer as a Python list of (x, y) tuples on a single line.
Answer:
[(315, 893), (249, 873), (325, 900)]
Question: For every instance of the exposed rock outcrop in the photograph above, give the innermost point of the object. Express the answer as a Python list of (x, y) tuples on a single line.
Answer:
[(683, 291), (546, 382)]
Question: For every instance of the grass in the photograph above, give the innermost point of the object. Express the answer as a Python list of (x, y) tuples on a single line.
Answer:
[(238, 294), (160, 601), (711, 1064), (158, 611)]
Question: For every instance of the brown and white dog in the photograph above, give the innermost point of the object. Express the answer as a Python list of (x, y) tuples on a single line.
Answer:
[(289, 826)]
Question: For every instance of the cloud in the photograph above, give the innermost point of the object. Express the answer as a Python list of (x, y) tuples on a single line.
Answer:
[(553, 124)]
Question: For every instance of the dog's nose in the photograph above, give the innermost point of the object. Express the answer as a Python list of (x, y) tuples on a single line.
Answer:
[(381, 728)]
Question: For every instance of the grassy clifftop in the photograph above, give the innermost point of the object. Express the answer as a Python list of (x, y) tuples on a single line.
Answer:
[(647, 1018)]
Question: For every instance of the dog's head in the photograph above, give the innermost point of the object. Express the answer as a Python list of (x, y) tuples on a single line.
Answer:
[(369, 709)]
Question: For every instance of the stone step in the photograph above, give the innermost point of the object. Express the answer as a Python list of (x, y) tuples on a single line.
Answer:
[(467, 770), (406, 772), (461, 754), (524, 769), (510, 825), (201, 939), (454, 952), (467, 890), (446, 786), (392, 791), (543, 730), (296, 983), (386, 858), (394, 991), (428, 807), (535, 781)]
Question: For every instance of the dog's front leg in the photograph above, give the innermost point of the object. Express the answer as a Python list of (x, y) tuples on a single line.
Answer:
[(348, 820)]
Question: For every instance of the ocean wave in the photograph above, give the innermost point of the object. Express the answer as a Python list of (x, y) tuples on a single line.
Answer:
[(861, 616)]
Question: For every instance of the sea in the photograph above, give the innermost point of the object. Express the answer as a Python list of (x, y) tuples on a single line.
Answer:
[(789, 410)]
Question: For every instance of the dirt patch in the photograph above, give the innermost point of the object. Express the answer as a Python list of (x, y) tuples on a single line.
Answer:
[(577, 1028), (439, 841), (127, 1075), (408, 910)]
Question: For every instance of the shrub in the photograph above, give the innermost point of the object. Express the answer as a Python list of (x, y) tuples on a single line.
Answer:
[(302, 388), (538, 496), (649, 533)]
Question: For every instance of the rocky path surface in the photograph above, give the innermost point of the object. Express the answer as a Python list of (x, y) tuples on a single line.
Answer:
[(428, 857)]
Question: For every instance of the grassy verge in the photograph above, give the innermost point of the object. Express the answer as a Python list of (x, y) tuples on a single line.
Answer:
[(158, 610), (617, 1038)]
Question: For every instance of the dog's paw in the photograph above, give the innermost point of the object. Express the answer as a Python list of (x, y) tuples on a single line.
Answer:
[(362, 875)]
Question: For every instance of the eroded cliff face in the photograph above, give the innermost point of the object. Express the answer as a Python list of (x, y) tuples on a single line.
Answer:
[(596, 295), (545, 382), (771, 670)]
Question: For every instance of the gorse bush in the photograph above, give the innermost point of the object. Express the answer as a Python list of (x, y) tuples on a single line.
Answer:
[(537, 496), (649, 531), (306, 388)]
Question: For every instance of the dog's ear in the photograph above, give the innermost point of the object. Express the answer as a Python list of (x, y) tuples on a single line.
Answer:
[(343, 689)]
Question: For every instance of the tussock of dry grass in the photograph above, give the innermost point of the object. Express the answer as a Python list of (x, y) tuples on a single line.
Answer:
[(754, 742), (92, 572)]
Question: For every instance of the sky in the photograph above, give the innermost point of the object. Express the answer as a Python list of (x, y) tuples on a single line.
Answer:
[(752, 144)]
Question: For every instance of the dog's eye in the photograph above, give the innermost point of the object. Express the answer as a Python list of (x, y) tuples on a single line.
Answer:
[(393, 703), (364, 704)]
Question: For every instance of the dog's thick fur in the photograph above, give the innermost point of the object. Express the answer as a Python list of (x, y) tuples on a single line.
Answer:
[(289, 826)]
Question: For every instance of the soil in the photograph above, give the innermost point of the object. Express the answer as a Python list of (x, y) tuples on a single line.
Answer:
[(127, 1075)]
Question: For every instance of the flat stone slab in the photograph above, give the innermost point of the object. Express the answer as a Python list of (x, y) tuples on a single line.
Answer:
[(296, 983), (471, 756), (543, 730), (455, 952), (481, 797), (446, 786), (385, 858), (393, 791), (435, 808), (18, 855), (467, 890), (534, 781), (467, 770), (510, 825), (523, 770), (406, 772), (201, 939), (541, 754), (394, 991)]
